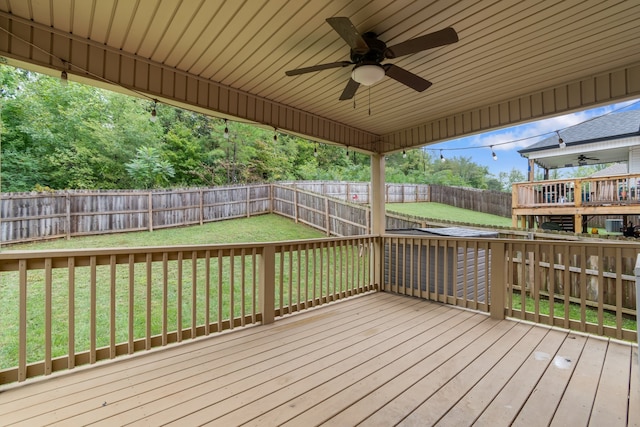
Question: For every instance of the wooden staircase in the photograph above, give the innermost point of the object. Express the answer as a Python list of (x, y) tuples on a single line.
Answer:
[(564, 221)]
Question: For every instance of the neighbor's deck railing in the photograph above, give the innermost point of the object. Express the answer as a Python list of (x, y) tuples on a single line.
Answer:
[(66, 308), (592, 283), (623, 189)]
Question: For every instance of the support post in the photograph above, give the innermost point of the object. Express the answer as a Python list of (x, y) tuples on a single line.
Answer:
[(498, 282), (267, 269), (378, 220), (637, 271)]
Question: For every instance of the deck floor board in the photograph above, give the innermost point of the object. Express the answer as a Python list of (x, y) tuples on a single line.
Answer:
[(376, 359)]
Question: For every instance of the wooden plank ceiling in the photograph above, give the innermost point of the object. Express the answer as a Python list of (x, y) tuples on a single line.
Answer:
[(514, 61)]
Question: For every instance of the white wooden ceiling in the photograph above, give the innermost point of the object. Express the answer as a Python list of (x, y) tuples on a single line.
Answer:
[(515, 61)]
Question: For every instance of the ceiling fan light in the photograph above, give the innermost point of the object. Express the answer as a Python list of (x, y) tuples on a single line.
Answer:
[(367, 74)]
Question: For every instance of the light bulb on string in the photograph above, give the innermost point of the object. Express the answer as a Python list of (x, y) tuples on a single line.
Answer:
[(226, 129), (561, 142), (347, 152), (404, 154), (493, 153), (154, 113), (315, 151), (275, 135), (64, 77), (442, 159)]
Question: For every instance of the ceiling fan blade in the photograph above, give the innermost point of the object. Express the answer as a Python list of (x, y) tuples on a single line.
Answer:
[(349, 90), (405, 77), (317, 68), (428, 41), (343, 26)]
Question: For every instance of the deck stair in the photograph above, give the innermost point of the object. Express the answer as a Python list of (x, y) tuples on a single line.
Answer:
[(564, 221)]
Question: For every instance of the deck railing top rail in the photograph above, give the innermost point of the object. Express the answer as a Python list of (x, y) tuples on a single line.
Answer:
[(587, 191)]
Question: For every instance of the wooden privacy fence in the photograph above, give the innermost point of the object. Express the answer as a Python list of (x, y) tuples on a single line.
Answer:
[(491, 202), (336, 208), (360, 192), (332, 216), (62, 214)]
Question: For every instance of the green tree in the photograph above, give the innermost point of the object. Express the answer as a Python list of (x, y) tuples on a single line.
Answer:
[(507, 179), (149, 170)]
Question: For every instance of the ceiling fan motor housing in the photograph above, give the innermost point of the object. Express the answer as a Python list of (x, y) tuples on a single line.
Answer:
[(374, 54)]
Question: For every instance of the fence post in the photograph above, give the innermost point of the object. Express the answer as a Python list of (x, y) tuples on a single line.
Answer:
[(248, 201), (295, 204), (150, 210), (267, 269), (68, 214), (498, 284), (201, 206), (326, 215)]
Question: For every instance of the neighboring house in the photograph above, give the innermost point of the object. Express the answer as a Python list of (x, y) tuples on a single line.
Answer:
[(569, 203)]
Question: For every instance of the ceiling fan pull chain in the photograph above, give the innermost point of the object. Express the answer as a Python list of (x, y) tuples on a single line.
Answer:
[(369, 100)]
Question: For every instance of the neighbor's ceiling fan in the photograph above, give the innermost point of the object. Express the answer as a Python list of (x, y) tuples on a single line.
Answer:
[(368, 52), (582, 160)]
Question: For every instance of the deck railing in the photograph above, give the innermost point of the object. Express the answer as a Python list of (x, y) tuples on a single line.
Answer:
[(65, 308), (623, 189), (591, 284)]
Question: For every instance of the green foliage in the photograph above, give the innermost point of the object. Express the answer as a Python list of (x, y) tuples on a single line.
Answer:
[(78, 136), (506, 180), (149, 170)]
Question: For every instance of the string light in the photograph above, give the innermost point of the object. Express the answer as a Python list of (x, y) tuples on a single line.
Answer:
[(315, 151), (347, 152), (64, 78), (226, 129), (561, 142), (404, 154), (275, 135), (493, 153), (154, 113)]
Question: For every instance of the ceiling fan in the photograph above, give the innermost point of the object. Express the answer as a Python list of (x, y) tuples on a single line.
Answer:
[(368, 52), (582, 159)]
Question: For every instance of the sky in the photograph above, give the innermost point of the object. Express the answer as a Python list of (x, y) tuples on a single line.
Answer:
[(478, 146)]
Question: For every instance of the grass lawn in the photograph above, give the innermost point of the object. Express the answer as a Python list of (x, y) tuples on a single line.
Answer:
[(591, 314), (262, 228), (439, 211), (226, 278)]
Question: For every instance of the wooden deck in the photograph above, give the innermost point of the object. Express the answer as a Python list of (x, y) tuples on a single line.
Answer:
[(378, 359)]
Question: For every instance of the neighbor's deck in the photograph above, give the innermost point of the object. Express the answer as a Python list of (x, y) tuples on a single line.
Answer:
[(379, 359)]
